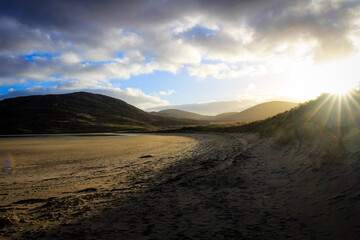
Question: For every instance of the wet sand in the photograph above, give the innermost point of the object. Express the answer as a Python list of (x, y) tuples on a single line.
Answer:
[(51, 166), (192, 186)]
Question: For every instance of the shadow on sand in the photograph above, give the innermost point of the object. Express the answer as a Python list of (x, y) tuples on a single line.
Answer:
[(241, 188)]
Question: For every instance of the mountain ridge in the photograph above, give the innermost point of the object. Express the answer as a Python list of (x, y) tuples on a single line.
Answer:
[(177, 113), (77, 112), (89, 112), (258, 112), (254, 113)]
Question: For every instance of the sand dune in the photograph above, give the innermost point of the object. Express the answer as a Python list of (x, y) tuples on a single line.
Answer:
[(192, 186)]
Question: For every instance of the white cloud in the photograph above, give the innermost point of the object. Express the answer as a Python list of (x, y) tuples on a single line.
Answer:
[(166, 93), (251, 87), (133, 96), (70, 58), (227, 71), (96, 42)]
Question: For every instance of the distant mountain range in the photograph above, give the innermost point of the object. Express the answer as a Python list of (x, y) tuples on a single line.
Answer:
[(89, 112), (176, 113), (258, 112), (329, 124), (78, 112)]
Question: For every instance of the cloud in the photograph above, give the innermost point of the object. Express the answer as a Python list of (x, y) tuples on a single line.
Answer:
[(70, 58), (164, 93), (68, 67), (224, 71), (250, 87), (133, 96), (98, 41), (269, 65)]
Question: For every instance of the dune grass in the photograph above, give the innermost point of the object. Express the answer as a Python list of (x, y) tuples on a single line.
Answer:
[(323, 124)]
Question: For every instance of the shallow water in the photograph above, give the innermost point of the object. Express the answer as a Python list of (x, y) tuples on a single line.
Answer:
[(69, 135)]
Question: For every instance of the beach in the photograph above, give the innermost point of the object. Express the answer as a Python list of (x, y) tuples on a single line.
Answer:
[(179, 186)]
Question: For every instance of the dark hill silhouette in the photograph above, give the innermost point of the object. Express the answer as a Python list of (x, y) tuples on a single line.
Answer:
[(76, 112)]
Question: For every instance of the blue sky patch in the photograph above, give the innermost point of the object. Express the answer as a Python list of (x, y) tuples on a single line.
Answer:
[(198, 32), (32, 57)]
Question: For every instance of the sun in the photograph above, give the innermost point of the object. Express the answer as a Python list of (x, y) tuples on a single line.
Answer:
[(336, 77), (339, 76), (340, 91)]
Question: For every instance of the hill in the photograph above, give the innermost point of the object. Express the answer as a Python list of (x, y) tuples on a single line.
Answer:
[(257, 112), (176, 113), (77, 112), (329, 125), (335, 113)]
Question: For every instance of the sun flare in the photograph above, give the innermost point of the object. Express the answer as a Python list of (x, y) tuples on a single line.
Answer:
[(336, 77)]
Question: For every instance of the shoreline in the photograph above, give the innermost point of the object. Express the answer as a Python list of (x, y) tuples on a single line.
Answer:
[(69, 135)]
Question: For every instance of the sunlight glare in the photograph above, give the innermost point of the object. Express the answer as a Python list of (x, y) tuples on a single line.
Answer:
[(336, 77)]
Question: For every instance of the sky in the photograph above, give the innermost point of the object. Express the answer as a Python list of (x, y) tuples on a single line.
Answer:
[(208, 57)]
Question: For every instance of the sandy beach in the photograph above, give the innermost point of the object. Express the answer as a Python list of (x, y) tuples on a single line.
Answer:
[(184, 186)]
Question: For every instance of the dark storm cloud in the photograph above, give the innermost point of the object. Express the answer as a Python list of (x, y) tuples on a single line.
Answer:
[(12, 66), (75, 15), (327, 22), (273, 23), (83, 22)]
